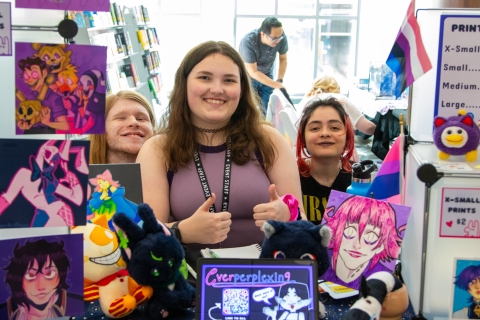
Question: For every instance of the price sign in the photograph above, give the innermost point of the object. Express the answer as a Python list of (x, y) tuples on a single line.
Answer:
[(460, 213), (458, 85)]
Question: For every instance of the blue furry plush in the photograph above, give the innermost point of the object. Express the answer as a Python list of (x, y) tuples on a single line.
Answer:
[(154, 257), (299, 239)]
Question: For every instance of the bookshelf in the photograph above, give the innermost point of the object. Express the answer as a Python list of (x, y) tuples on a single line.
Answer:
[(133, 59)]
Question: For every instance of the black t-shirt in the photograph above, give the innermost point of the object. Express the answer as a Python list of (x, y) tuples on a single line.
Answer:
[(315, 195)]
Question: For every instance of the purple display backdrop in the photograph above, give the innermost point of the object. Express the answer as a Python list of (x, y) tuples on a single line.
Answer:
[(80, 5), (71, 69), (73, 245)]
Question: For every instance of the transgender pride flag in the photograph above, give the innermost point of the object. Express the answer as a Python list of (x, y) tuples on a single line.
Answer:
[(386, 183), (408, 58)]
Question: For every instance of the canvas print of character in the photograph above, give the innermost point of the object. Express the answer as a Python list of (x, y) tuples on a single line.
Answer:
[(50, 183), (466, 301), (108, 198), (39, 278), (293, 303), (367, 236), (67, 85)]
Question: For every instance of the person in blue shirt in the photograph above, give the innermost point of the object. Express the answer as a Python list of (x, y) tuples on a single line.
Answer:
[(259, 49)]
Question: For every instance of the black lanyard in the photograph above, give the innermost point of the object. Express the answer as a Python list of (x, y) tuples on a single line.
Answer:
[(226, 178)]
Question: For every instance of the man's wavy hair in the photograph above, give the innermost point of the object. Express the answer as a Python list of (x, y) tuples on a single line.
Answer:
[(244, 128)]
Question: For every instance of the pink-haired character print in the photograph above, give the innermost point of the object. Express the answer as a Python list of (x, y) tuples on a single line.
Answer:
[(364, 232), (39, 185)]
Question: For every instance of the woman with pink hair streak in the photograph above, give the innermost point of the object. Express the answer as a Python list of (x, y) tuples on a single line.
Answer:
[(364, 232)]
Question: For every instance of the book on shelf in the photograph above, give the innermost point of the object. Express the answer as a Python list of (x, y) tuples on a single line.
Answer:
[(123, 39), (146, 17), (124, 84), (156, 83), (156, 36), (247, 252), (113, 15), (156, 58), (113, 78), (108, 88), (142, 38), (128, 42), (78, 17), (89, 21), (118, 42), (107, 40), (147, 63), (127, 70), (149, 37), (135, 74), (137, 11), (117, 9)]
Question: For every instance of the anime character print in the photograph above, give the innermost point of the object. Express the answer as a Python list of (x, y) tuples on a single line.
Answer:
[(293, 303), (466, 304), (366, 238), (108, 198), (52, 75), (37, 277), (50, 183)]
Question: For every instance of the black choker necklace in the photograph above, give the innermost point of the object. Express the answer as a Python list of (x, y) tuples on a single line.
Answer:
[(210, 130)]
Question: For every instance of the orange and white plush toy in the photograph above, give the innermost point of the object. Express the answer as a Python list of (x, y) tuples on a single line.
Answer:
[(105, 274)]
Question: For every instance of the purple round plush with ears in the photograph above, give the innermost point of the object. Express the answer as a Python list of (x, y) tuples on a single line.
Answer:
[(456, 135)]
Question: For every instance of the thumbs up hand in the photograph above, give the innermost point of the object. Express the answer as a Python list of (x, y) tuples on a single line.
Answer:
[(204, 226), (276, 209)]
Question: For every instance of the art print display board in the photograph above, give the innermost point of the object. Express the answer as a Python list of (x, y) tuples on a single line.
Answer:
[(457, 84), (43, 183), (367, 235), (465, 302), (5, 29), (60, 88), (114, 188), (82, 5), (41, 277)]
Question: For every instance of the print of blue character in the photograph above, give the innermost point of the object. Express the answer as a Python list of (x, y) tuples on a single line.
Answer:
[(469, 280)]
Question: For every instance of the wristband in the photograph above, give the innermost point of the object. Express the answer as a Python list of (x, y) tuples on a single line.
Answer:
[(176, 231), (292, 204)]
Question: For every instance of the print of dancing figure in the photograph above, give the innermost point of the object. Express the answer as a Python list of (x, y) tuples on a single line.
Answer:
[(50, 191)]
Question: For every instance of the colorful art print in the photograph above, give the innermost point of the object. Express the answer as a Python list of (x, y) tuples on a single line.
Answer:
[(82, 5), (60, 88), (41, 277), (114, 188), (466, 289), (43, 183), (5, 29), (367, 235)]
